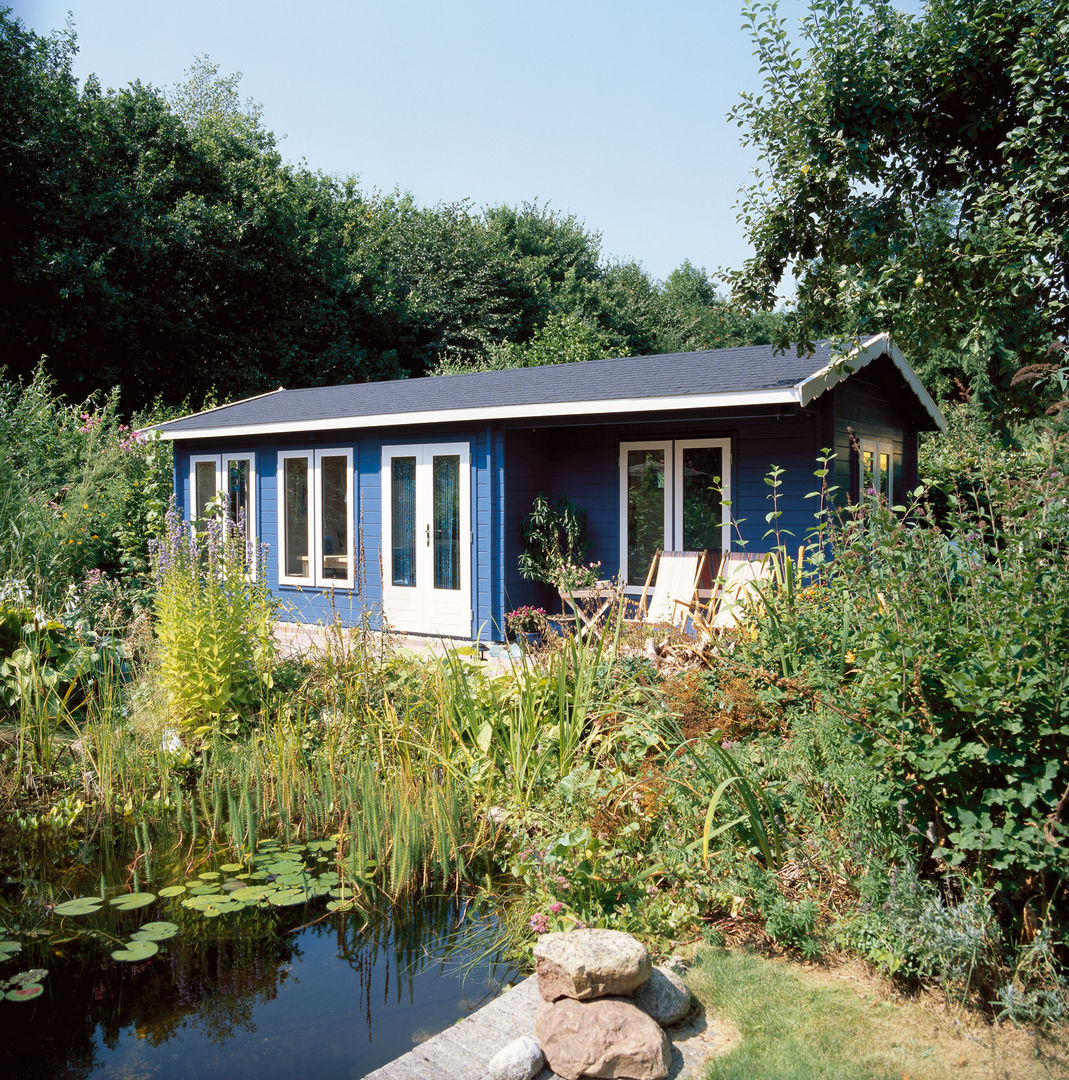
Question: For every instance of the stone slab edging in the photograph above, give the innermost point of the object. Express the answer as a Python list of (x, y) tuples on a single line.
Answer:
[(463, 1051)]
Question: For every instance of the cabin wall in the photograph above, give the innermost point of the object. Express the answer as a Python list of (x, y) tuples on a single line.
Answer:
[(350, 607)]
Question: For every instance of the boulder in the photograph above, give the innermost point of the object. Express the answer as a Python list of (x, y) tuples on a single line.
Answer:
[(663, 996), (520, 1060), (608, 1038), (585, 964)]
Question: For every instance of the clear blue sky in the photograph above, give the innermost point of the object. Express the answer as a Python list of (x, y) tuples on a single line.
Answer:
[(614, 110)]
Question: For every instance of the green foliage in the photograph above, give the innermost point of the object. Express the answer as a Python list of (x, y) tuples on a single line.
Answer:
[(214, 621), (916, 934), (911, 180), (553, 535), (80, 495), (145, 227), (938, 640)]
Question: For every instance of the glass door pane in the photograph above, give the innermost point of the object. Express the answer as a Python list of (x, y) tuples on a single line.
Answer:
[(296, 517), (204, 485), (702, 470), (446, 525), (403, 521), (334, 501), (645, 510), (237, 495)]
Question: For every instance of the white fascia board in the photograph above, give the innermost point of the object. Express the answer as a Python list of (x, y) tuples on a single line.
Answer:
[(789, 395), (858, 358)]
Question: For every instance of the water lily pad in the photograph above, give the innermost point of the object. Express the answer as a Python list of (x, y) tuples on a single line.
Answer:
[(129, 901), (25, 993), (288, 897), (173, 890), (341, 905), (136, 950), (155, 931), (8, 949), (204, 889), (252, 894), (231, 884), (209, 875), (258, 875), (83, 905), (24, 978), (322, 845), (232, 867), (221, 907)]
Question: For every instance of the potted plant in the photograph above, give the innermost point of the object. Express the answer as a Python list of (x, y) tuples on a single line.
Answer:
[(529, 624)]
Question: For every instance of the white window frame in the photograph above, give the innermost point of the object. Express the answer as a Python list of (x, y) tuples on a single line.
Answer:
[(315, 578), (222, 469), (673, 489), (876, 447)]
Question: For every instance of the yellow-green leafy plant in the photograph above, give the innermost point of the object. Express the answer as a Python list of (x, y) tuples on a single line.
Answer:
[(213, 619)]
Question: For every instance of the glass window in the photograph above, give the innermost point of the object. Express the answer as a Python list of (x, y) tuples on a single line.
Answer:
[(334, 516), (403, 520), (702, 495), (446, 526), (295, 498), (645, 509), (204, 488), (875, 468)]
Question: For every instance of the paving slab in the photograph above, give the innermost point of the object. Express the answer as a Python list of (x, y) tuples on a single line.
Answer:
[(463, 1051)]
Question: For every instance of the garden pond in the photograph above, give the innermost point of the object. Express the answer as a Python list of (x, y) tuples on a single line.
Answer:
[(122, 956)]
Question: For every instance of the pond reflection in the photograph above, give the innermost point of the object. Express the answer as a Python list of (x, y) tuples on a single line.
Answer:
[(260, 993)]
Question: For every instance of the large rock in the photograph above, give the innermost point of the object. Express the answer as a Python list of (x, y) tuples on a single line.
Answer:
[(663, 996), (604, 1038), (520, 1060), (585, 964)]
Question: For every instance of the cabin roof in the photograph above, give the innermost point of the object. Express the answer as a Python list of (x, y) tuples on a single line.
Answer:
[(711, 378)]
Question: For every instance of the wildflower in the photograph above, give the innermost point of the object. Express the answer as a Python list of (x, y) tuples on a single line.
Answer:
[(556, 907), (539, 923), (850, 657)]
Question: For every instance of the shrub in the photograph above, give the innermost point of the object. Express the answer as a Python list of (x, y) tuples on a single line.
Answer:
[(78, 493), (937, 640), (214, 623)]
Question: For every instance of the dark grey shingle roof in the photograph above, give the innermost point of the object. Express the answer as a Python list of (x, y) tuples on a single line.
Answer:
[(713, 371)]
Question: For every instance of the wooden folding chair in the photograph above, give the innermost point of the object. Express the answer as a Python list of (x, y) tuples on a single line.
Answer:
[(675, 577)]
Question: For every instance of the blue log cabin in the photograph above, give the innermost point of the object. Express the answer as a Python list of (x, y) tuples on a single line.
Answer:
[(404, 499)]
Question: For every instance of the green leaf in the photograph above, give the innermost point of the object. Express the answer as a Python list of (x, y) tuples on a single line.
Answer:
[(135, 951)]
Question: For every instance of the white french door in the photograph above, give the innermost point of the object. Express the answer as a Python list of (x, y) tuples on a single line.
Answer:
[(426, 538)]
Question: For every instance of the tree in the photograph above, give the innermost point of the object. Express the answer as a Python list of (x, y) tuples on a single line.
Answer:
[(915, 178)]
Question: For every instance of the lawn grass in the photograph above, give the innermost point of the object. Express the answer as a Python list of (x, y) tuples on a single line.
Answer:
[(799, 1023)]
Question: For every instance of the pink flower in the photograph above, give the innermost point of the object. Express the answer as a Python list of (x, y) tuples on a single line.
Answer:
[(556, 907), (539, 923)]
